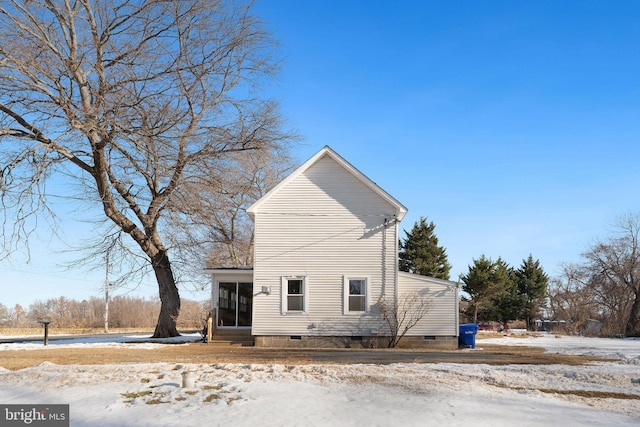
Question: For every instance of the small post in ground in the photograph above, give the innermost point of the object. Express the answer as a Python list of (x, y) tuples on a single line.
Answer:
[(210, 327), (45, 322)]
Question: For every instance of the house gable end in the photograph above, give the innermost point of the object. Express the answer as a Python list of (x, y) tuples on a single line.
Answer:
[(329, 172)]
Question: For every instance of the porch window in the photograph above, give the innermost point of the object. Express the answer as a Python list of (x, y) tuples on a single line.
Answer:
[(356, 294), (294, 298)]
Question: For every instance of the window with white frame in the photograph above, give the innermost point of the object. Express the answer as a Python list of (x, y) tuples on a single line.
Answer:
[(356, 294), (294, 295)]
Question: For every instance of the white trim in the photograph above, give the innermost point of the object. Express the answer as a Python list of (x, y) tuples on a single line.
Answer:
[(346, 293), (229, 271), (284, 293), (428, 279)]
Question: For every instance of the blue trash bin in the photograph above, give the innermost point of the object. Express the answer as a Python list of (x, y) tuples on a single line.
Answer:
[(467, 336)]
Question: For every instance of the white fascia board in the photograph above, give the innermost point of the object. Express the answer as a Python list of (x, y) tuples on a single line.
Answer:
[(428, 279), (229, 271)]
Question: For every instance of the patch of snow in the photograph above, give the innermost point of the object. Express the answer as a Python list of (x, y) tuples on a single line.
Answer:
[(346, 395), (101, 341), (625, 349)]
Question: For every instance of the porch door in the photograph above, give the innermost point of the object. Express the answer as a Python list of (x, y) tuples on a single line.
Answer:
[(235, 303)]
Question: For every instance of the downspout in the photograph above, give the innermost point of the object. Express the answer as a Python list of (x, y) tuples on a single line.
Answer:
[(395, 261), (384, 259), (458, 305)]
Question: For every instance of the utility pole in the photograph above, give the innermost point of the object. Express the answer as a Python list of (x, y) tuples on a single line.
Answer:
[(106, 296)]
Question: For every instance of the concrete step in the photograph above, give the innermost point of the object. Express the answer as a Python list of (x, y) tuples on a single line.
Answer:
[(227, 337)]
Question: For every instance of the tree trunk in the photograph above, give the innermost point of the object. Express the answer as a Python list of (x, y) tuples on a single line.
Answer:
[(633, 325), (169, 298)]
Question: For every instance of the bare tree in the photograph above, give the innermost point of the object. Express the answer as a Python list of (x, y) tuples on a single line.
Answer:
[(402, 314), (4, 314), (571, 299), (606, 286), (220, 225), (134, 102), (194, 314), (614, 269), (18, 316)]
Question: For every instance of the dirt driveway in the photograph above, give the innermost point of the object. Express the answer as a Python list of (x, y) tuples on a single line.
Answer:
[(203, 353)]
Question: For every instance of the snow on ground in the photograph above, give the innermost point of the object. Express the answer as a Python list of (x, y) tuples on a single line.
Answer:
[(100, 341), (343, 395), (627, 350)]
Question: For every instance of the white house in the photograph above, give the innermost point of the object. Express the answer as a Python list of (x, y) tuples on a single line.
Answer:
[(326, 245)]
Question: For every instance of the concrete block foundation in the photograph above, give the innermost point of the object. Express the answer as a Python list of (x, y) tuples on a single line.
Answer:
[(307, 341)]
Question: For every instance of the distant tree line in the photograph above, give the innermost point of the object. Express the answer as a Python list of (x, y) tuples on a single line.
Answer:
[(498, 292), (604, 288), (124, 312)]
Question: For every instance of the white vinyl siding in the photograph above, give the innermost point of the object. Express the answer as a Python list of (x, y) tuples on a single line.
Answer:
[(441, 318), (325, 224), (320, 226)]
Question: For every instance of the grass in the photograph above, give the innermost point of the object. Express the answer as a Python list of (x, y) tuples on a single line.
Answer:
[(154, 402), (217, 356), (211, 387), (53, 330), (136, 394), (591, 394)]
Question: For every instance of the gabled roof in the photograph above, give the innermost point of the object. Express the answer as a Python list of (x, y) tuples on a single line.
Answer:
[(327, 151)]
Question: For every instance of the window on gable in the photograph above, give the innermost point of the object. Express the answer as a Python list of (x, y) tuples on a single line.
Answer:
[(356, 294), (293, 294)]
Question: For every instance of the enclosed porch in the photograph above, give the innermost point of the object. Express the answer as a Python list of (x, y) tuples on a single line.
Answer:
[(231, 305)]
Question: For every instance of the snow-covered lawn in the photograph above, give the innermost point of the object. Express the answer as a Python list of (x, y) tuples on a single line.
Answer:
[(441, 394)]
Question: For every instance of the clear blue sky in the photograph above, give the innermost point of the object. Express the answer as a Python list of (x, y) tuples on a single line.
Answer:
[(513, 126)]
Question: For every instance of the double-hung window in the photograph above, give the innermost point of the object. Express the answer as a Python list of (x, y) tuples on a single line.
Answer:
[(294, 297), (356, 295)]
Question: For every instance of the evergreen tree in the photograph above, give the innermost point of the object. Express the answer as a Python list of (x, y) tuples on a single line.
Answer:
[(507, 304), (484, 281), (420, 253), (532, 282)]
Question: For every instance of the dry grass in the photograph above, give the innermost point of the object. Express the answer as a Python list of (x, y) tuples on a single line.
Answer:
[(134, 395), (211, 398), (209, 354), (53, 330), (591, 394)]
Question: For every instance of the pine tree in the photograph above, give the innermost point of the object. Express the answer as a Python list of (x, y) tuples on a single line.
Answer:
[(508, 303), (532, 284), (485, 281), (420, 253)]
